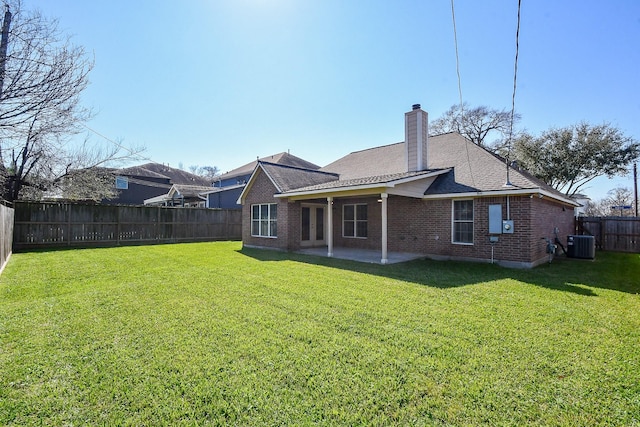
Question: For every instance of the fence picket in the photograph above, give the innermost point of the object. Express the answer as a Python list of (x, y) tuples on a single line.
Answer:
[(55, 225), (620, 234)]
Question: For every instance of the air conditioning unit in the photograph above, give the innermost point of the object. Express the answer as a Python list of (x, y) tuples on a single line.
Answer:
[(581, 247)]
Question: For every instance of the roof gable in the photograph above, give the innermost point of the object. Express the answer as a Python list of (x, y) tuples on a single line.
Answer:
[(286, 178), (283, 158)]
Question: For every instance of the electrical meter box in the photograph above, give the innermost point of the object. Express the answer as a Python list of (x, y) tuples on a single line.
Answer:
[(507, 226)]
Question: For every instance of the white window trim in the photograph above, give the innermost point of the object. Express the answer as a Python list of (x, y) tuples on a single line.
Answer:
[(453, 222), (268, 220), (355, 220), (123, 179)]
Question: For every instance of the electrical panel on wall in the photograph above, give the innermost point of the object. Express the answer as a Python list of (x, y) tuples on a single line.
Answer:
[(495, 219)]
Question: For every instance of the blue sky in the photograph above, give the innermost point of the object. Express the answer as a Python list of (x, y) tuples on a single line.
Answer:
[(220, 82)]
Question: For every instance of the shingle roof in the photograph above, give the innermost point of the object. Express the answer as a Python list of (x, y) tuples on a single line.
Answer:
[(287, 178), (280, 159), (355, 182), (190, 190), (157, 170), (474, 168)]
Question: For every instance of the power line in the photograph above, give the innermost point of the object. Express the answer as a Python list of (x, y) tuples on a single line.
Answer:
[(513, 96), (122, 147), (455, 40)]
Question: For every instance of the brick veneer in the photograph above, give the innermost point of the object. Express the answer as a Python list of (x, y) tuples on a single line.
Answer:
[(424, 226), (262, 191)]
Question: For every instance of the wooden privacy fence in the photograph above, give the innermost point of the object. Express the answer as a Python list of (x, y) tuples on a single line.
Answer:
[(620, 234), (6, 234), (54, 225)]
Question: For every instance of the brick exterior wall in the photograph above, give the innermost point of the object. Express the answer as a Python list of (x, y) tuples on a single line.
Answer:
[(424, 226), (262, 191)]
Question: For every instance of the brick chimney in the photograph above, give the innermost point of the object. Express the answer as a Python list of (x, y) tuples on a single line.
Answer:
[(416, 138)]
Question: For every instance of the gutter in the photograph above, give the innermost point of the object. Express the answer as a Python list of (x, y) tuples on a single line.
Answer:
[(521, 192)]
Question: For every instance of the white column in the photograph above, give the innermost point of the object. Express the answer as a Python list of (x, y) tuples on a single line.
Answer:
[(329, 227), (384, 197)]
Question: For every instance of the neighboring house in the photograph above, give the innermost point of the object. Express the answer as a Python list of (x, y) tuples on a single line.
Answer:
[(584, 201), (440, 196), (139, 183), (229, 186), (186, 196)]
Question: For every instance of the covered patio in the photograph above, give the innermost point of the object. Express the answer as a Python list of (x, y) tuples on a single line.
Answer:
[(361, 255)]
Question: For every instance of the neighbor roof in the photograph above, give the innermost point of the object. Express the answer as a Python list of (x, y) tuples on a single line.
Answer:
[(158, 170), (284, 158)]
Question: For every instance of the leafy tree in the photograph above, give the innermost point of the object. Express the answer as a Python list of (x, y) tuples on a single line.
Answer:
[(44, 76), (476, 123), (568, 158)]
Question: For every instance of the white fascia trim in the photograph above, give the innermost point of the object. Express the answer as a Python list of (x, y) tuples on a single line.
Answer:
[(247, 186), (518, 192), (162, 198), (221, 189), (419, 177), (336, 190), (381, 185), (270, 178)]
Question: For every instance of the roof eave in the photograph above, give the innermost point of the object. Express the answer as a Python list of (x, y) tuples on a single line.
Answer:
[(367, 188), (506, 192)]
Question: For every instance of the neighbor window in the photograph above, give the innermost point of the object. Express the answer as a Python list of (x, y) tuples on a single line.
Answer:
[(264, 220), (122, 183), (463, 221), (354, 221)]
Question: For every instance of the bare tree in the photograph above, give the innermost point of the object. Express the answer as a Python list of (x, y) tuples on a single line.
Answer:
[(40, 111), (614, 204), (476, 123), (209, 172)]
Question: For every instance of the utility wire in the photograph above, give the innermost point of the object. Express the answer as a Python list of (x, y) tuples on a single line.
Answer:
[(455, 40), (513, 96), (117, 144)]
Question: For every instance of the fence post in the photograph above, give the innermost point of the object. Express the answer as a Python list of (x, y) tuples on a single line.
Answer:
[(68, 223), (118, 229)]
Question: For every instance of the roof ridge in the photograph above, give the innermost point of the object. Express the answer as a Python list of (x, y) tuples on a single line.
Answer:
[(299, 168), (375, 148)]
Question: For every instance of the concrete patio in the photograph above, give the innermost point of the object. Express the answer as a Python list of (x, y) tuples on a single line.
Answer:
[(362, 255)]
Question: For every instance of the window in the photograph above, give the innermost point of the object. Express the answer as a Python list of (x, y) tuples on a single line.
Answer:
[(122, 183), (264, 220), (354, 221), (463, 221)]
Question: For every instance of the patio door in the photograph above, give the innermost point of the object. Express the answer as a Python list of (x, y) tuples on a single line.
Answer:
[(313, 229)]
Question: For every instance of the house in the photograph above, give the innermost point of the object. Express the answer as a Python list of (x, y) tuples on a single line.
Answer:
[(139, 183), (229, 186), (439, 196), (186, 196)]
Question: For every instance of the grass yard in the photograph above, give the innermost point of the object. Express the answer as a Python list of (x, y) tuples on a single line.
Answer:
[(209, 334)]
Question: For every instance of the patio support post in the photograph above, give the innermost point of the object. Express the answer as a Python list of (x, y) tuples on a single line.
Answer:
[(384, 197), (329, 227)]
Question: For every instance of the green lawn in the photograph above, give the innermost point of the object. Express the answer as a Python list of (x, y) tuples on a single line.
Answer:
[(209, 334)]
